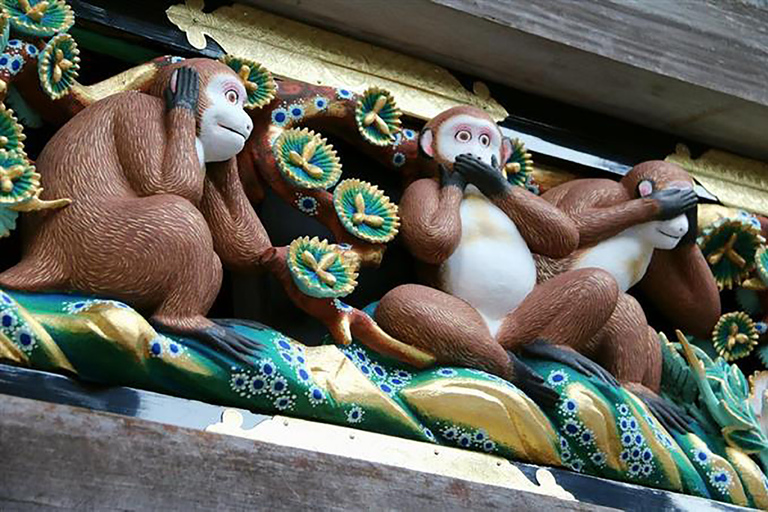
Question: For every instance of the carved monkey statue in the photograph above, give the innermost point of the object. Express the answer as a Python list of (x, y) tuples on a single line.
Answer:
[(643, 231), (158, 206), (477, 233)]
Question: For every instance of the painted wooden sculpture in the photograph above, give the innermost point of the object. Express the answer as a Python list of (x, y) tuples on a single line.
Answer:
[(521, 293), (477, 234)]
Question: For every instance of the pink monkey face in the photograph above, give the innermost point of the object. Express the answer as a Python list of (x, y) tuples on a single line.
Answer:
[(466, 134)]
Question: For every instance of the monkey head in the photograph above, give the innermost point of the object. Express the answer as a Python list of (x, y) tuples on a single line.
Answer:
[(223, 125), (461, 131), (649, 179)]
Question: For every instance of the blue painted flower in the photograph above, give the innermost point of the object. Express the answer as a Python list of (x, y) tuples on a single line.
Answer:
[(280, 117), (586, 437), (564, 443), (647, 455), (451, 433), (258, 384), (267, 367), (428, 433), (296, 111), (464, 440), (598, 459), (623, 409), (721, 479), (636, 453), (378, 370), (626, 439), (571, 427), (239, 382), (447, 372), (155, 348), (633, 424), (321, 103), (25, 339), (701, 456), (624, 456), (647, 469), (316, 396), (355, 414), (288, 357), (577, 465), (409, 134), (402, 374), (284, 403), (365, 369), (634, 469), (489, 445), (340, 306), (278, 386), (394, 381), (639, 440), (398, 159), (565, 455), (480, 436), (557, 377), (569, 407), (386, 388), (624, 424), (307, 204), (761, 327), (15, 64), (174, 349), (344, 94), (284, 344), (361, 355), (14, 43), (303, 375), (8, 320)]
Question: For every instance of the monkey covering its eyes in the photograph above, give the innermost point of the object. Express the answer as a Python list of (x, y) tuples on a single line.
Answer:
[(158, 206), (477, 234)]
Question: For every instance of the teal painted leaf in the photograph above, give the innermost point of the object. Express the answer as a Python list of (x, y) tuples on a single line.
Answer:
[(39, 18), (259, 82), (58, 65), (306, 160), (365, 211), (321, 269), (377, 116)]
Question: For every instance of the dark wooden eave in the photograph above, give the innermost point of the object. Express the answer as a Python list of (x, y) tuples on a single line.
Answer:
[(696, 69)]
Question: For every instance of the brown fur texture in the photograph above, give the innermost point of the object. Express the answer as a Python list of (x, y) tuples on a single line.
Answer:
[(568, 310), (148, 224), (678, 282)]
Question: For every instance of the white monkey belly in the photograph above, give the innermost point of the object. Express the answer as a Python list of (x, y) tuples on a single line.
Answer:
[(625, 256), (492, 268)]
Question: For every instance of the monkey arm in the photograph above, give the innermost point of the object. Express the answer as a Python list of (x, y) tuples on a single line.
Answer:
[(238, 235), (681, 285), (430, 220), (546, 229), (181, 171), (600, 208)]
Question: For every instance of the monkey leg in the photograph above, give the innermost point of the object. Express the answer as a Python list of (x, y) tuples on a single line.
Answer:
[(456, 334), (568, 310), (627, 347)]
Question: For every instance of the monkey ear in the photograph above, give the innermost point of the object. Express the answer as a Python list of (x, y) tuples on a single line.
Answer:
[(506, 151), (645, 188), (425, 142), (174, 79)]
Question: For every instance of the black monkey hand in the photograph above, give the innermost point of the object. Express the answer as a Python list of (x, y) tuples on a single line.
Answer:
[(490, 181), (674, 201), (187, 90), (452, 178)]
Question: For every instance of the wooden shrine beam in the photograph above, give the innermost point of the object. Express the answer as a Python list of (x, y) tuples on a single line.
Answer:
[(59, 456), (697, 69)]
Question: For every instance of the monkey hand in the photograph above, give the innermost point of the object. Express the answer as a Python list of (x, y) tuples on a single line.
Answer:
[(674, 201), (184, 90), (490, 181), (452, 178)]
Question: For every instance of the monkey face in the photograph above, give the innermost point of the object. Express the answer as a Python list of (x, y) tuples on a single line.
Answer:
[(224, 124), (464, 133), (665, 234)]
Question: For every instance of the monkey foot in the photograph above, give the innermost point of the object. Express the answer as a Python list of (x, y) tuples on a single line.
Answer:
[(671, 417), (582, 364), (532, 384), (221, 337)]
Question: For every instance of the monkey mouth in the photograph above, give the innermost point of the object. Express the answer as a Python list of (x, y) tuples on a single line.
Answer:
[(675, 237), (233, 130)]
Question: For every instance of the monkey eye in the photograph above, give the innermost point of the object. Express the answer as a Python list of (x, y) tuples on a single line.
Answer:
[(232, 96), (485, 140), (463, 136)]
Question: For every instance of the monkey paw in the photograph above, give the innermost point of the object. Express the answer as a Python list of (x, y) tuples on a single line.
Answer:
[(225, 339), (582, 364), (532, 384), (184, 90)]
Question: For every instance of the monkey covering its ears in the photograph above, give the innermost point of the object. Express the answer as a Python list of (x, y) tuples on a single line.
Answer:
[(476, 234), (158, 206)]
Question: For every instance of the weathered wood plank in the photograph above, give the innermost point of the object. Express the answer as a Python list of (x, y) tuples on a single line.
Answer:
[(693, 68), (57, 456)]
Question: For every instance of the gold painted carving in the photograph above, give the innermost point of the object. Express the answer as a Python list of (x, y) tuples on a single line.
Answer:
[(298, 51), (735, 180), (509, 417), (391, 451)]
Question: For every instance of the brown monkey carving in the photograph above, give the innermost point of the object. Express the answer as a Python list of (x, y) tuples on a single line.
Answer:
[(157, 207), (476, 234), (642, 230)]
